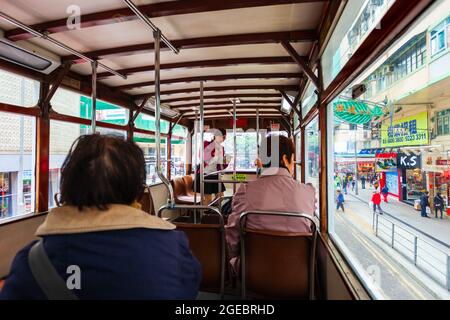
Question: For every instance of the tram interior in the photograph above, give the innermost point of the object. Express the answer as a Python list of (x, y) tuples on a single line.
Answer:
[(163, 73)]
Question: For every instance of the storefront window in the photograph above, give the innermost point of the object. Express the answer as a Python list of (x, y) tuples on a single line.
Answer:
[(17, 178)]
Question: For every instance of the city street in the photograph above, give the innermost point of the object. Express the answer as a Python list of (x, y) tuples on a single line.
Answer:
[(392, 273)]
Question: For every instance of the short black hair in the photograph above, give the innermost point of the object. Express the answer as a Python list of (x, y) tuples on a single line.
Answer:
[(101, 170), (285, 147)]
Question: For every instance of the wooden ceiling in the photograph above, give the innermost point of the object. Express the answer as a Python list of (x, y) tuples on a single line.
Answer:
[(253, 50)]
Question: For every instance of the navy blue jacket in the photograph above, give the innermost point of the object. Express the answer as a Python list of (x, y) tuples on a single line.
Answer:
[(136, 263)]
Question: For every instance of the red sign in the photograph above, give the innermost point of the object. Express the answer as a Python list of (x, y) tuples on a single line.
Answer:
[(442, 162), (386, 155)]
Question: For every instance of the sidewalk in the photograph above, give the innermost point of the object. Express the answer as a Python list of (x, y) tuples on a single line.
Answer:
[(435, 229)]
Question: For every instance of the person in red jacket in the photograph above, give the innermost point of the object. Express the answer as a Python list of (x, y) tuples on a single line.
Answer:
[(376, 200)]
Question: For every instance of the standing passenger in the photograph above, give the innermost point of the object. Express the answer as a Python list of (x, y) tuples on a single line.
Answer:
[(121, 252), (214, 160)]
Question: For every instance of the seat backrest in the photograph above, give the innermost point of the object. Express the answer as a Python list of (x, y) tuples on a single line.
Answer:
[(205, 241), (146, 201), (179, 188), (189, 184), (277, 265)]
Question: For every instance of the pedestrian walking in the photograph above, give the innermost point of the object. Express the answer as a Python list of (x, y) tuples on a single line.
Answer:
[(424, 203), (345, 184), (385, 193), (376, 201), (340, 201), (376, 184), (438, 204), (363, 182)]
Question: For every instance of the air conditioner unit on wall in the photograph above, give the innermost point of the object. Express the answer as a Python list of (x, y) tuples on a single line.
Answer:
[(28, 55)]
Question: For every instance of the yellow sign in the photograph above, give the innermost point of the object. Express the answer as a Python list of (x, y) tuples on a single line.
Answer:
[(239, 177), (409, 131)]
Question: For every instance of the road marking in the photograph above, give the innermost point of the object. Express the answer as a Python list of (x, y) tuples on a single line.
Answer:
[(373, 249)]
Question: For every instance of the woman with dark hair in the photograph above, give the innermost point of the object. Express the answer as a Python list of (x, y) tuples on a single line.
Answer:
[(214, 160), (274, 190), (98, 242)]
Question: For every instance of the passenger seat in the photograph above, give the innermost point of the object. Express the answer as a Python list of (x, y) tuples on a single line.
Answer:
[(182, 189)]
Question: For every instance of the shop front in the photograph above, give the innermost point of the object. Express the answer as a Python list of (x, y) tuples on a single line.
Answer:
[(387, 170), (413, 178)]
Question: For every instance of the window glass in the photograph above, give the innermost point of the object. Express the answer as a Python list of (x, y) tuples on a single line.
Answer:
[(357, 21), (71, 103), (147, 143), (395, 249), (62, 136), (18, 90), (245, 149), (178, 158), (17, 173), (312, 157), (147, 122)]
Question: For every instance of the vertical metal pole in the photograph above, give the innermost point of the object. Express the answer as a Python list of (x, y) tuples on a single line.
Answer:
[(94, 65), (257, 136), (448, 273), (234, 144), (202, 153), (393, 233), (376, 225), (195, 162), (157, 37), (415, 251)]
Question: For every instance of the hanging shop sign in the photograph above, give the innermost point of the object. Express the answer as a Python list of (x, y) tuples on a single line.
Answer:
[(409, 131), (408, 161), (386, 162), (356, 112)]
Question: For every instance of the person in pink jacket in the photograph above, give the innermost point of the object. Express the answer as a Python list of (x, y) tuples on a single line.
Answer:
[(274, 190)]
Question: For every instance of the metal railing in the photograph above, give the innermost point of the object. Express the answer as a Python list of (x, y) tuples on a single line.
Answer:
[(427, 257)]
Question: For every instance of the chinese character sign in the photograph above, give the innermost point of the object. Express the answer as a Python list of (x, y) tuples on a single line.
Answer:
[(410, 131)]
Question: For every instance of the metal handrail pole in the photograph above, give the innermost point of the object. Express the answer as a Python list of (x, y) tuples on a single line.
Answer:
[(148, 22), (94, 65), (157, 37), (234, 144), (202, 153)]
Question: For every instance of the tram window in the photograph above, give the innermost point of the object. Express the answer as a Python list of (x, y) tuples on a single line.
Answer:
[(350, 33), (399, 254), (312, 161), (18, 90), (17, 173), (71, 103), (178, 158), (62, 136), (147, 122), (147, 144), (245, 150)]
